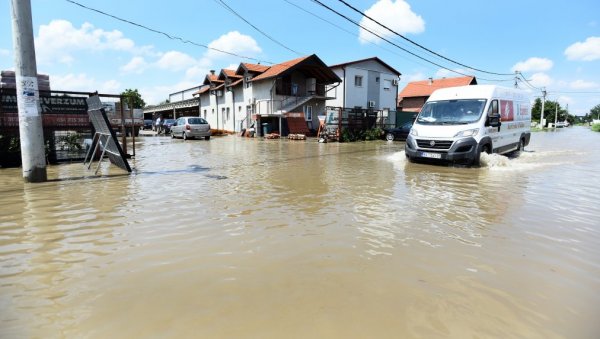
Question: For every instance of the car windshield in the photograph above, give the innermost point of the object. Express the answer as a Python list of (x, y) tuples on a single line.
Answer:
[(451, 112), (169, 121), (196, 121)]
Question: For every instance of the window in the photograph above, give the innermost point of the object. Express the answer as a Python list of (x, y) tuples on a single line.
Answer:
[(387, 84), (204, 114), (223, 113), (358, 81), (308, 113), (377, 79), (227, 113), (493, 108)]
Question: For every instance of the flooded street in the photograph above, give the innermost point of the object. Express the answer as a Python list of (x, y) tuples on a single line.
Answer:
[(245, 238)]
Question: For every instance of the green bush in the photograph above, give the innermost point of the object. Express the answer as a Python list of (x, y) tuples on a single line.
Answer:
[(596, 127), (373, 134), (9, 143)]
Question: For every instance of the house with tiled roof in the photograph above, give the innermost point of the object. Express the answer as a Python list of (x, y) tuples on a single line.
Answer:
[(367, 84), (414, 95), (287, 96)]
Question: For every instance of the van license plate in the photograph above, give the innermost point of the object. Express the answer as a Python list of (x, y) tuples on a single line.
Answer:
[(431, 155)]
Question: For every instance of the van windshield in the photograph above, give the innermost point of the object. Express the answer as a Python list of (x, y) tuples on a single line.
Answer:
[(451, 112)]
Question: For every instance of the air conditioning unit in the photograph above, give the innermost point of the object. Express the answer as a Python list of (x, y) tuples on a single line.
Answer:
[(219, 93), (395, 82), (251, 101), (371, 103)]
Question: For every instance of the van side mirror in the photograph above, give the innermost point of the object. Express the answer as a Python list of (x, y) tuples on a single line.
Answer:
[(493, 120)]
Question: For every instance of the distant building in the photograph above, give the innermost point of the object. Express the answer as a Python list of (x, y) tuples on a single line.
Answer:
[(277, 95), (414, 95), (366, 84), (284, 98)]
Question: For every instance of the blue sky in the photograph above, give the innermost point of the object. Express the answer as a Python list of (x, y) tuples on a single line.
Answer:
[(555, 44)]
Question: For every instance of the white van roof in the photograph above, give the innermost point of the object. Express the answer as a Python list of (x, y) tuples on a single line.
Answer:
[(478, 92)]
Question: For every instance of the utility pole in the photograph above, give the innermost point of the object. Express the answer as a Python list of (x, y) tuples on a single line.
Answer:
[(555, 114), (543, 102), (31, 133), (516, 79)]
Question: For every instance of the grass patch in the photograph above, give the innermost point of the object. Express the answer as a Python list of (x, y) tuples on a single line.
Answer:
[(596, 127)]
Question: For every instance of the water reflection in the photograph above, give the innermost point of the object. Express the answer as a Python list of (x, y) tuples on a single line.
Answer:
[(237, 238)]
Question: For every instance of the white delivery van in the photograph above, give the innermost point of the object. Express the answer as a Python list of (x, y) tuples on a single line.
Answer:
[(457, 124)]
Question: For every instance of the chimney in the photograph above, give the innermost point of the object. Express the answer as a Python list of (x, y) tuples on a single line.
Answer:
[(212, 71), (430, 81)]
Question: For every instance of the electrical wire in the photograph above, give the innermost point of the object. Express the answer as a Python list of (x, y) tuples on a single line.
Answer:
[(172, 37), (391, 42), (222, 3), (417, 44)]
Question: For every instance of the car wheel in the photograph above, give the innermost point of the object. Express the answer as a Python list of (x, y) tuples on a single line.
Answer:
[(484, 149), (207, 137), (172, 135), (389, 136), (183, 136)]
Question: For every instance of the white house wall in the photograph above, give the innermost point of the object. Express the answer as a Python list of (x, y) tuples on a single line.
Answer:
[(338, 91), (370, 90), (262, 92)]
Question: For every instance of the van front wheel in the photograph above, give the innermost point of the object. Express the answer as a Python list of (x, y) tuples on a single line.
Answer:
[(482, 149)]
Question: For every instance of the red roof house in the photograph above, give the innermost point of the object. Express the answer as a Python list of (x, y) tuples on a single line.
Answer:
[(414, 95)]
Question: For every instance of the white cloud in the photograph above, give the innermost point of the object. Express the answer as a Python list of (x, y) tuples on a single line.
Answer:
[(541, 80), (175, 61), (84, 83), (586, 51), (397, 15), (57, 41), (233, 42), (582, 84), (533, 64), (135, 65)]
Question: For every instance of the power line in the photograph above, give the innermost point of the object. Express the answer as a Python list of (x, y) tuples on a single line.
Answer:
[(417, 44), (222, 3), (351, 33), (172, 37), (391, 42)]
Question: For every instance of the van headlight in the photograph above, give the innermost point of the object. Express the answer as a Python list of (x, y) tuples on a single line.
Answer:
[(467, 133), (414, 132)]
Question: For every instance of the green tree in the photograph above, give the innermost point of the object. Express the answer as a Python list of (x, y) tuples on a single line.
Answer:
[(550, 110), (595, 112), (138, 102)]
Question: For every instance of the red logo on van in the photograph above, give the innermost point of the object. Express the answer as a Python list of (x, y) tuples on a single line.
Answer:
[(507, 112)]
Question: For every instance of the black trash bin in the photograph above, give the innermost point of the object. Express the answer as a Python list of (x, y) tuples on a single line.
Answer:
[(266, 128)]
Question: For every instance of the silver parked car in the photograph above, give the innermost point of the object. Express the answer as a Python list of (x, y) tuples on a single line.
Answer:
[(190, 127)]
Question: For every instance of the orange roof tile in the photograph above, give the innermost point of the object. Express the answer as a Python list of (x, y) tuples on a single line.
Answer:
[(255, 67), (235, 82), (202, 90), (230, 73), (424, 88), (275, 70)]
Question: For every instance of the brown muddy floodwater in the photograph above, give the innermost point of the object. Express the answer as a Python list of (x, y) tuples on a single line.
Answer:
[(243, 238)]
